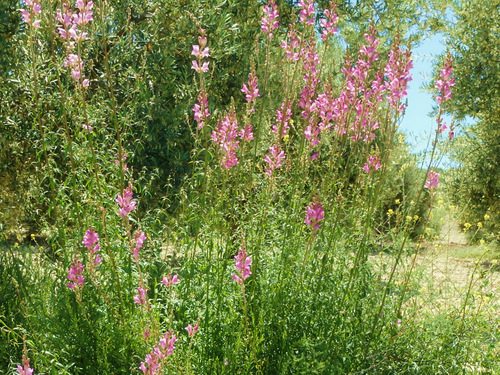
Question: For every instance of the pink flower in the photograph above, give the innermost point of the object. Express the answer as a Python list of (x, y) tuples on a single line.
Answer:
[(25, 369), (282, 118), (90, 238), (432, 180), (442, 128), (170, 280), (251, 91), (225, 136), (274, 160), (246, 133), (314, 214), (311, 132), (75, 63), (65, 18), (291, 48), (156, 358), (192, 329), (200, 69), (201, 112), (91, 242), (372, 165), (328, 23), (307, 11), (200, 55), (141, 297), (270, 20), (311, 79), (167, 343), (139, 237), (242, 264), (28, 15), (126, 203), (75, 275), (445, 81), (398, 75)]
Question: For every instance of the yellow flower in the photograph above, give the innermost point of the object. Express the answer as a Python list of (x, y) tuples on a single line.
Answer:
[(467, 226), (409, 218), (440, 202), (486, 217), (481, 242), (397, 201), (390, 212), (416, 217), (479, 225)]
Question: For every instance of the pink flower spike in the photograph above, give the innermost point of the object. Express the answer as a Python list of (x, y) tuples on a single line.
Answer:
[(274, 159), (307, 11), (170, 280), (139, 237), (90, 238), (446, 82), (125, 202), (270, 20), (432, 180), (226, 137), (251, 90), (97, 260), (242, 264), (141, 297), (25, 369), (154, 361), (314, 214), (372, 165), (75, 275), (192, 329)]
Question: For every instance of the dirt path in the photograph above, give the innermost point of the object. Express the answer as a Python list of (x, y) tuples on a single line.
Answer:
[(450, 233)]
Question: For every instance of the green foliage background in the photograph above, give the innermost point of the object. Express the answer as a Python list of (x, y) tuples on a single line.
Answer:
[(474, 41)]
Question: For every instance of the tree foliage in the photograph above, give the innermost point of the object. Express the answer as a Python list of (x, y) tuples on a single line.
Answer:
[(474, 40)]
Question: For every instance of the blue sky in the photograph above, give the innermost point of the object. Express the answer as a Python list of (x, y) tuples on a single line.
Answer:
[(417, 125)]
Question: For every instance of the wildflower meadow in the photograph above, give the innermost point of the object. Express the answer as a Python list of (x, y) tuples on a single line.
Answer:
[(221, 187)]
